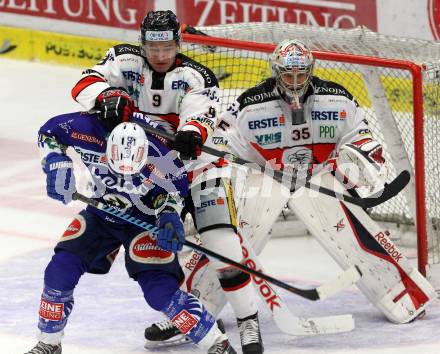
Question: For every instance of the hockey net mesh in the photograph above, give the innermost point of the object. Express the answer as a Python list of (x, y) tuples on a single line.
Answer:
[(239, 69)]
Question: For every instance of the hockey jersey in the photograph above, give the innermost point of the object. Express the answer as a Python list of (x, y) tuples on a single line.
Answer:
[(260, 128), (186, 97), (162, 182)]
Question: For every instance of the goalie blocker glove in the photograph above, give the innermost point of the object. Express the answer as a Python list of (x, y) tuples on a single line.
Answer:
[(188, 143), (115, 106)]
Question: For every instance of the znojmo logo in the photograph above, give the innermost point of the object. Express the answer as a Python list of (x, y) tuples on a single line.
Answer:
[(434, 17)]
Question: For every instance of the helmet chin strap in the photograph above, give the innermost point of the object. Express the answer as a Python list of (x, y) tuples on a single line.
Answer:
[(295, 106), (298, 116)]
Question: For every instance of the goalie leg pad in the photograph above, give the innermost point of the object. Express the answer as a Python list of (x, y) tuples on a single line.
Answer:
[(351, 237), (259, 203), (202, 281)]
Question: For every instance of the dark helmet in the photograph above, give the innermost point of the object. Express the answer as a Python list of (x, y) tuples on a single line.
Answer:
[(160, 26)]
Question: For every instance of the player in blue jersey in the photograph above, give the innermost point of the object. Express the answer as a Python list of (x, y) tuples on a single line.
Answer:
[(140, 176)]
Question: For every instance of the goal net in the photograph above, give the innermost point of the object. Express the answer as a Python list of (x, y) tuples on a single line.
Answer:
[(396, 82)]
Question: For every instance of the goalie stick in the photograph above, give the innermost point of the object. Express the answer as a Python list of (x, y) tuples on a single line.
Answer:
[(282, 316), (346, 279), (389, 191)]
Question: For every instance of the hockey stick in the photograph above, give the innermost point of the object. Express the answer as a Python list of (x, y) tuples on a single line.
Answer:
[(284, 319), (346, 279), (389, 191)]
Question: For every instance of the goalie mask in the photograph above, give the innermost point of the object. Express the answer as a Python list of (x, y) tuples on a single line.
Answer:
[(127, 149), (291, 64)]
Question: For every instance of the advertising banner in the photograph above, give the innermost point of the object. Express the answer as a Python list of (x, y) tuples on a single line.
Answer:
[(120, 19)]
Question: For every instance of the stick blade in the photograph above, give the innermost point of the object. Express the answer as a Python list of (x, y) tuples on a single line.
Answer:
[(390, 190), (298, 326)]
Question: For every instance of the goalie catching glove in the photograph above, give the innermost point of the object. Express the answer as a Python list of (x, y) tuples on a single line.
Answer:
[(361, 165), (115, 106)]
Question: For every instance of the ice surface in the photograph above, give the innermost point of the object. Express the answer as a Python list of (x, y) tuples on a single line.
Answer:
[(110, 314)]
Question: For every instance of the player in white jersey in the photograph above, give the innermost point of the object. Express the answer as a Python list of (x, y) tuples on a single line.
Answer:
[(182, 95), (298, 122), (302, 127)]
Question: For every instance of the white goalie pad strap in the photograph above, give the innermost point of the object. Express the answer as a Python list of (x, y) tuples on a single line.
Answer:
[(351, 237)]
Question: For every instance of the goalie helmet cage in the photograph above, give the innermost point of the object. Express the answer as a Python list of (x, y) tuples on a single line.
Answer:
[(395, 80)]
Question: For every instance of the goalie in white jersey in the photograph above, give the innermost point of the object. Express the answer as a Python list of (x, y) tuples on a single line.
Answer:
[(181, 95), (297, 122)]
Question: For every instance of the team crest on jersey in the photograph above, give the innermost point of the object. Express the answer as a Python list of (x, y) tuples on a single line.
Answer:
[(299, 156), (143, 249), (75, 229)]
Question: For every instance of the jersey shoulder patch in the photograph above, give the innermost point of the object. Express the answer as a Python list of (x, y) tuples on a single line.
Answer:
[(324, 87), (125, 48), (263, 92), (208, 76)]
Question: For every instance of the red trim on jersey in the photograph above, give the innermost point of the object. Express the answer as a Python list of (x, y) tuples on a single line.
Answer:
[(200, 127), (83, 83), (320, 152), (221, 162)]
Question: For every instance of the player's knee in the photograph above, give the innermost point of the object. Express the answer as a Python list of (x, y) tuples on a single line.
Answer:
[(158, 288), (223, 241), (64, 271)]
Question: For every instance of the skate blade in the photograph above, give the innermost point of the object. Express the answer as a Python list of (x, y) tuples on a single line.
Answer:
[(176, 340)]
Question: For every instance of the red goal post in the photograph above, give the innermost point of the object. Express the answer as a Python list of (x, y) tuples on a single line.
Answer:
[(223, 55)]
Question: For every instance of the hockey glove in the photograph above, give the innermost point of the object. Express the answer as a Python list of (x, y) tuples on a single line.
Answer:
[(171, 234), (363, 166), (188, 143), (60, 180), (115, 106)]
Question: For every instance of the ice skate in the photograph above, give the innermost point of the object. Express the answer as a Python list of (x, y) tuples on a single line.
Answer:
[(222, 347), (164, 333), (250, 336), (43, 348)]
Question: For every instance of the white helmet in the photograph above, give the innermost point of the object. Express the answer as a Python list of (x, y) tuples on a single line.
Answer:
[(127, 149), (291, 64)]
